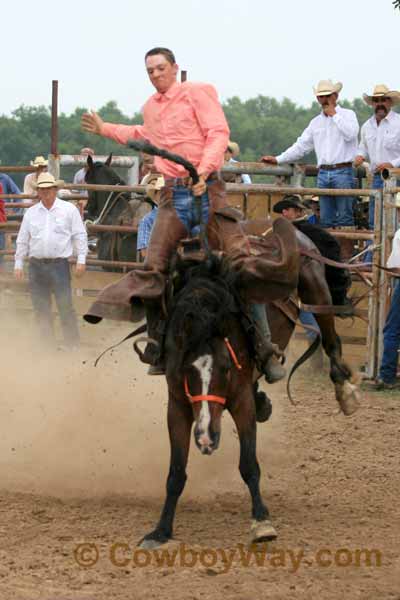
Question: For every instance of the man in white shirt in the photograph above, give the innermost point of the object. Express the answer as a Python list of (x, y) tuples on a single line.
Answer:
[(50, 232), (380, 138), (333, 136), (79, 178), (391, 331)]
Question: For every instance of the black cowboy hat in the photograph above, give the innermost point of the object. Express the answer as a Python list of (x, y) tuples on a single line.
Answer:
[(289, 201)]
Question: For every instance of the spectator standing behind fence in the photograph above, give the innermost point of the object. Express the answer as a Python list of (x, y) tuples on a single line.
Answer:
[(391, 331), (9, 186), (30, 181), (79, 178), (380, 138), (231, 152), (153, 182), (333, 136), (50, 232)]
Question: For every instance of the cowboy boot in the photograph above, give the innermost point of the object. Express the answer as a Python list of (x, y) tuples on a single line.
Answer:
[(167, 231), (266, 352)]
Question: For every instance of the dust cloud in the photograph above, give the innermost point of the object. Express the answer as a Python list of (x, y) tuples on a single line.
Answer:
[(73, 430)]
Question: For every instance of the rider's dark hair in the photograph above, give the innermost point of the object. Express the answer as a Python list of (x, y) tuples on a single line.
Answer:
[(169, 55)]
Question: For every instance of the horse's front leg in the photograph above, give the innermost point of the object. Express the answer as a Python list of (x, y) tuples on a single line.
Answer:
[(243, 414), (180, 419)]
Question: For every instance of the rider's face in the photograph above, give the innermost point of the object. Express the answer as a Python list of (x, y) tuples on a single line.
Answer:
[(161, 72)]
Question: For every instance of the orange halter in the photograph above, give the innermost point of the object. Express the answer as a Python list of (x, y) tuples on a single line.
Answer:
[(211, 397)]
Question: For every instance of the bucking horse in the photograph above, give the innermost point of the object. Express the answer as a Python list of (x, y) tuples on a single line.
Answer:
[(210, 361)]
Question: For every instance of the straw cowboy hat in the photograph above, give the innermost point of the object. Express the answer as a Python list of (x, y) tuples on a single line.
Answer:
[(233, 148), (39, 161), (382, 90), (326, 87), (87, 152), (46, 180), (153, 181)]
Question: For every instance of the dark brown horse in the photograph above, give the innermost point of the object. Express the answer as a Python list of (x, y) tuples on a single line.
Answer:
[(210, 367)]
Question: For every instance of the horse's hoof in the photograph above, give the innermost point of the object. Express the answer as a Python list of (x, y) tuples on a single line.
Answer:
[(263, 406), (150, 544), (349, 399), (153, 540), (263, 531)]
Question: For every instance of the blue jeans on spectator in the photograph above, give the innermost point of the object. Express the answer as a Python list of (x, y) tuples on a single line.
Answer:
[(184, 204), (377, 184), (391, 339), (307, 318), (45, 279), (336, 211)]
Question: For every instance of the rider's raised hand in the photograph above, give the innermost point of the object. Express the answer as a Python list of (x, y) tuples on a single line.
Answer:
[(92, 123)]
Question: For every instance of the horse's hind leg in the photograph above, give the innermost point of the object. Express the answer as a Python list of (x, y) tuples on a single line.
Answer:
[(180, 421), (243, 414), (313, 289)]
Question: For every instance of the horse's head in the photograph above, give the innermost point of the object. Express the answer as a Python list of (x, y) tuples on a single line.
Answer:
[(101, 173), (200, 358)]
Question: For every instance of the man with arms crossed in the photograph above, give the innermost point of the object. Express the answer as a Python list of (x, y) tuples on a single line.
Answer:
[(380, 138)]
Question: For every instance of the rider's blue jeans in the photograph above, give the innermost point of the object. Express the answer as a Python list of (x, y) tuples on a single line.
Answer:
[(184, 203), (336, 211), (391, 339)]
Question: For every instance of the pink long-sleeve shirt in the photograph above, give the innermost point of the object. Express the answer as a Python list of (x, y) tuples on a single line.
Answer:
[(187, 120)]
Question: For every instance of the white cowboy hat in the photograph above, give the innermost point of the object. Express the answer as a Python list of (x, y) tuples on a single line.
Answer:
[(233, 148), (46, 180), (326, 87), (382, 90), (39, 161)]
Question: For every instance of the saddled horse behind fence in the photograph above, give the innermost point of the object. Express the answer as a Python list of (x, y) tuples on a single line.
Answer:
[(113, 208)]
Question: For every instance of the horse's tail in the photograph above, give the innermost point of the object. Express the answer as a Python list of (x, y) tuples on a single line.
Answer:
[(305, 356)]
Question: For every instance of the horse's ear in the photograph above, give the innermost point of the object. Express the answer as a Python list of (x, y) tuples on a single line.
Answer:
[(89, 162), (109, 159)]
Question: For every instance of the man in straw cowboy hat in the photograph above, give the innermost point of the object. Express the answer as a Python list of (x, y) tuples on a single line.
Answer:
[(333, 136), (380, 137), (51, 231), (30, 181), (231, 152)]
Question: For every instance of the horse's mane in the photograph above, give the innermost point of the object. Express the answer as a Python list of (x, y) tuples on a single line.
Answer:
[(203, 300)]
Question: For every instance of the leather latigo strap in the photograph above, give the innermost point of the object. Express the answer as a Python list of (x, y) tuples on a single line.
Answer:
[(333, 263)]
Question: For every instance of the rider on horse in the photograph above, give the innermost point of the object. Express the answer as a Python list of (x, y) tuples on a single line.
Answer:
[(187, 118)]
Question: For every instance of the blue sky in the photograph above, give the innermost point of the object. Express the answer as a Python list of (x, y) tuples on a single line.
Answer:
[(277, 48)]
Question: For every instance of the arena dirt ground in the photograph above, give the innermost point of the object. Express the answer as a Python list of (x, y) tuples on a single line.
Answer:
[(83, 460)]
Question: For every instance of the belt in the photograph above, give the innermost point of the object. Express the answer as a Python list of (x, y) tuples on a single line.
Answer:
[(46, 260), (337, 166), (187, 181)]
